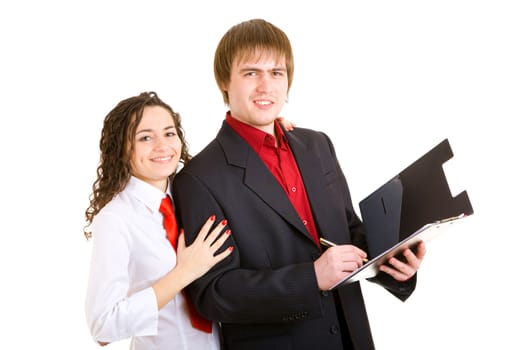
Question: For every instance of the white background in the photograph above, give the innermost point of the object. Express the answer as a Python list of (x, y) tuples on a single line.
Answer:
[(387, 80)]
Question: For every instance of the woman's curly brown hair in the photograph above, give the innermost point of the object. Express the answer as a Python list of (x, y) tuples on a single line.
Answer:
[(116, 146)]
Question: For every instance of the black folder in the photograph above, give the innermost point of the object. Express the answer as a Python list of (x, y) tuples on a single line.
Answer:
[(415, 205)]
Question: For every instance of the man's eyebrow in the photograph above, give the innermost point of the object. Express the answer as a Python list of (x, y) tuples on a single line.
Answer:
[(249, 68)]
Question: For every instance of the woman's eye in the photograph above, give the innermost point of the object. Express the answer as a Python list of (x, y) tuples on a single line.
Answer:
[(145, 138)]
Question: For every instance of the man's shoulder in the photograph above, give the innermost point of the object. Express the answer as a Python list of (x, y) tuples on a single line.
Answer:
[(204, 158), (209, 149), (306, 134)]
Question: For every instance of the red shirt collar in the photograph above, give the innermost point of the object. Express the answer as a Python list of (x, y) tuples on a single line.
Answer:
[(254, 137)]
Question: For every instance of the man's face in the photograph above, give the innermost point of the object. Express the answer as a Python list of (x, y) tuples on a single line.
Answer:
[(258, 89)]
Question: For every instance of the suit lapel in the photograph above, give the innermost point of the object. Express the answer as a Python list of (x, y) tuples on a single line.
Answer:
[(312, 174), (257, 177)]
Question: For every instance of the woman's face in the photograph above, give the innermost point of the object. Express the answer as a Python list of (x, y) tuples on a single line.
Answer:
[(157, 147)]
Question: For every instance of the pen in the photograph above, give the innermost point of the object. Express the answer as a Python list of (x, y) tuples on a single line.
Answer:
[(327, 243)]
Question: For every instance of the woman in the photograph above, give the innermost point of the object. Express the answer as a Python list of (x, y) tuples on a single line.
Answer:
[(136, 276)]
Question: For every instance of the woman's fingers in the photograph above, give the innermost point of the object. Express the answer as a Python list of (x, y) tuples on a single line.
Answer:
[(214, 239), (224, 254), (220, 241), (216, 231), (205, 229)]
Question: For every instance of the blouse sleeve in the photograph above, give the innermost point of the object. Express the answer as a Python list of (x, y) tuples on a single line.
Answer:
[(111, 313)]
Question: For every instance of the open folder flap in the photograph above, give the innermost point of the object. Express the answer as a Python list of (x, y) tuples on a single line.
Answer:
[(414, 205), (425, 234)]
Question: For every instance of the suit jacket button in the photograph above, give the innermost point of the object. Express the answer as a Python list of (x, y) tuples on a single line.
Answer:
[(334, 329)]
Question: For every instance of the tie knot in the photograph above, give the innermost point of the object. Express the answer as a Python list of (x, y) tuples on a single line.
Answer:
[(166, 207)]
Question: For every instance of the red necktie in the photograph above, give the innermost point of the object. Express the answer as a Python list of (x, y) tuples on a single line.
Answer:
[(172, 232)]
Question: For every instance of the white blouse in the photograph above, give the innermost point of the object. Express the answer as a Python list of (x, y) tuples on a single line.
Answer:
[(130, 252)]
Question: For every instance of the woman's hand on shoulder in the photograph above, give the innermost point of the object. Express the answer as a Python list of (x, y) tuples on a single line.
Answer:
[(288, 125), (201, 256)]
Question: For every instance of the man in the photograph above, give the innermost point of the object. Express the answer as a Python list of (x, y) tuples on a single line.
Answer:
[(280, 191)]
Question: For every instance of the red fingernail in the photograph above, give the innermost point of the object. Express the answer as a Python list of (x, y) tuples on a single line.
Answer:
[(224, 222), (212, 218), (228, 232), (230, 248)]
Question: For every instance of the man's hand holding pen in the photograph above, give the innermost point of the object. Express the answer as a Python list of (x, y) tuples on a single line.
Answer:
[(329, 244), (337, 262), (399, 270)]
